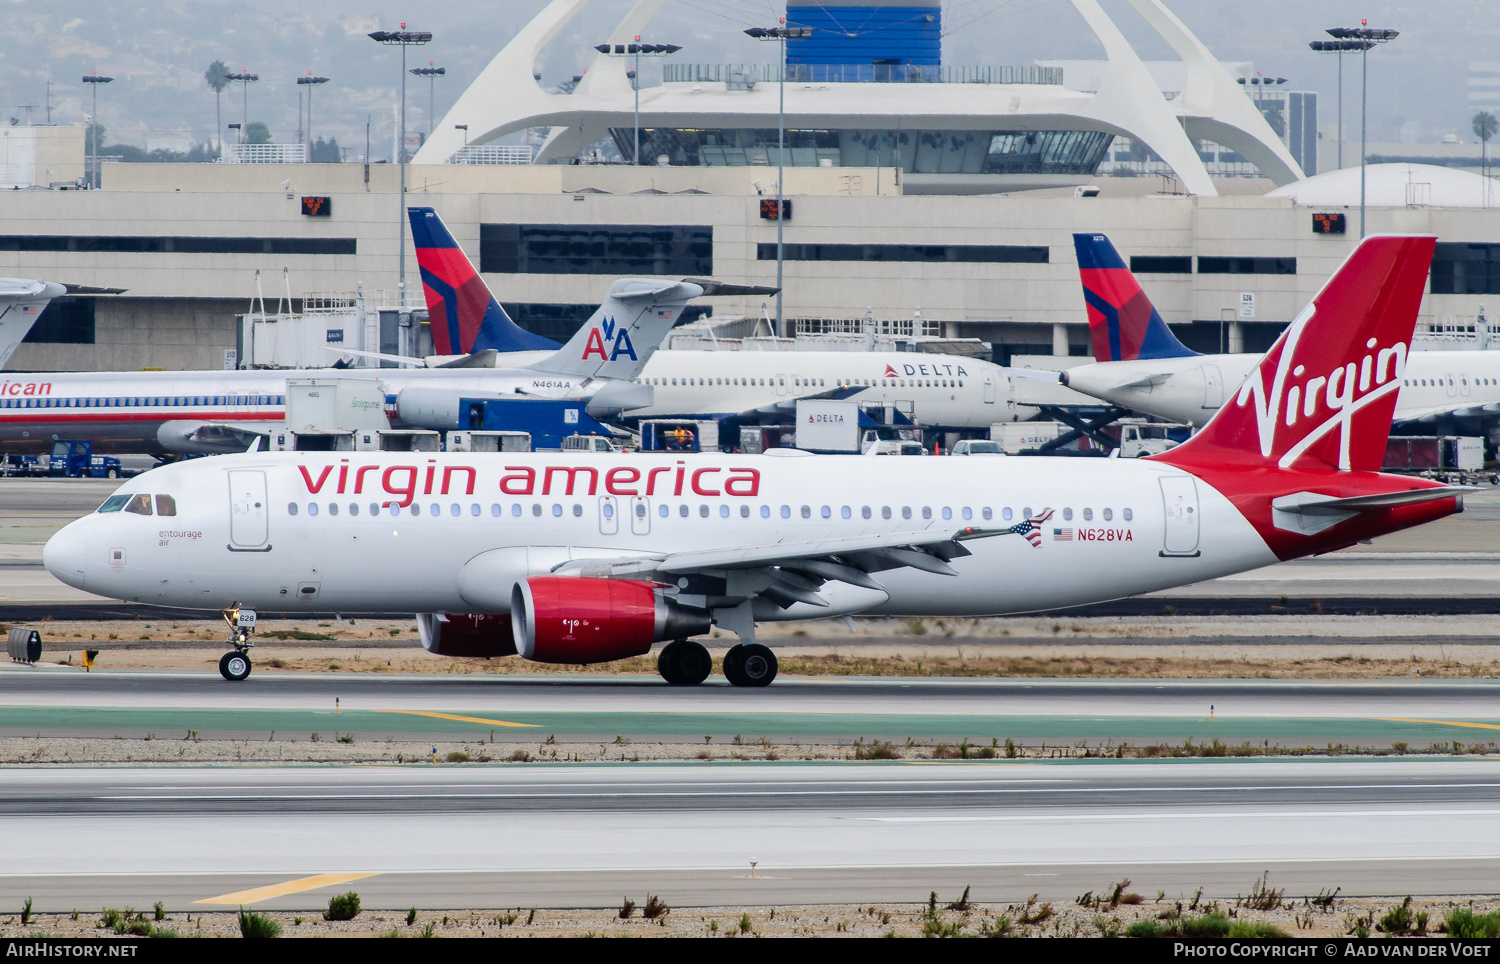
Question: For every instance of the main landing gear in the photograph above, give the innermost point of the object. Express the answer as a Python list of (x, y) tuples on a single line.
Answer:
[(750, 664), (684, 662), (235, 664)]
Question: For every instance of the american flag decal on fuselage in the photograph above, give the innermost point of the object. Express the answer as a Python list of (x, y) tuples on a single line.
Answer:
[(1031, 528)]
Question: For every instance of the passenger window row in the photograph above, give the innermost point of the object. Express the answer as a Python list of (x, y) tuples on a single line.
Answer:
[(1438, 382), (665, 511), (153, 401)]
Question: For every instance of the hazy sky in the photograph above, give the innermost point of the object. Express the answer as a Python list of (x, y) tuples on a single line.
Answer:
[(158, 50)]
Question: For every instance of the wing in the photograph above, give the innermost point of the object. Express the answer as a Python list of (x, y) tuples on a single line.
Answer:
[(787, 405), (185, 436), (788, 573)]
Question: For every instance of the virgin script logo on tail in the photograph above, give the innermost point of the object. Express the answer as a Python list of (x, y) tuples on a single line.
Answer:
[(1335, 396), (608, 332)]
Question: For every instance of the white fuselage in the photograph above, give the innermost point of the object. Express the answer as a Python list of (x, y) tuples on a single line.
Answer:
[(125, 410), (945, 390), (389, 532), (1193, 388)]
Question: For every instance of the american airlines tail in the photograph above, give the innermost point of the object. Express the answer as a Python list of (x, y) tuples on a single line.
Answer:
[(626, 329), (1123, 324), (21, 304), (464, 315), (1298, 449)]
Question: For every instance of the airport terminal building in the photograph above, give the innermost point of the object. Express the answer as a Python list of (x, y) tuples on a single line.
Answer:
[(917, 189)]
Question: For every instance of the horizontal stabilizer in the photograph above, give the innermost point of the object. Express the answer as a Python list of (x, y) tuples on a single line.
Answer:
[(1145, 381), (1310, 503), (721, 289)]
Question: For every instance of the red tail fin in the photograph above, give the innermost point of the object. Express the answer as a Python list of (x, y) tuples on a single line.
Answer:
[(1324, 394)]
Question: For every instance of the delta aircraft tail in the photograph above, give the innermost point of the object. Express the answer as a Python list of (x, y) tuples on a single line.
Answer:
[(1123, 324), (464, 315)]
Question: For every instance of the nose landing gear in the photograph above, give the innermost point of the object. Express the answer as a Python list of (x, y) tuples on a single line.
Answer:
[(235, 665)]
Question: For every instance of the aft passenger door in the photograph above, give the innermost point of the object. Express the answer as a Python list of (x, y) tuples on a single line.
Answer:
[(249, 526), (989, 388), (1213, 387), (1179, 494)]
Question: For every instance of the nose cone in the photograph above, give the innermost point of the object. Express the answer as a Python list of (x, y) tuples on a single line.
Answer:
[(66, 554)]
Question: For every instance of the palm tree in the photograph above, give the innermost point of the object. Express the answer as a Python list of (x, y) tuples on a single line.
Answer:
[(216, 78)]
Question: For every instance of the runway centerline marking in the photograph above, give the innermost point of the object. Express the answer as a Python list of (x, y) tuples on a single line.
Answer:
[(283, 889), (1472, 726), (460, 719)]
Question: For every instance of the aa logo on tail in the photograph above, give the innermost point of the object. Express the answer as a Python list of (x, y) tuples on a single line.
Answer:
[(606, 332)]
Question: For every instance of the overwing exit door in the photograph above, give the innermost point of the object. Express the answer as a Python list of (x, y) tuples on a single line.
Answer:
[(640, 515)]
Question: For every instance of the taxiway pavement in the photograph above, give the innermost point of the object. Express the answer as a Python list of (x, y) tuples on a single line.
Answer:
[(581, 836), (62, 701)]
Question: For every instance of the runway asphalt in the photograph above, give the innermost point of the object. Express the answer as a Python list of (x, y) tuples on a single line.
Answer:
[(580, 836), (59, 701)]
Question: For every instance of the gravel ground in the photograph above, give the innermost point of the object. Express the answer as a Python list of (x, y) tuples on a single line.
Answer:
[(1294, 917)]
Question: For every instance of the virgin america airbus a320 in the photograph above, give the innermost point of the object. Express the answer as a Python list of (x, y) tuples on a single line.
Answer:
[(571, 559)]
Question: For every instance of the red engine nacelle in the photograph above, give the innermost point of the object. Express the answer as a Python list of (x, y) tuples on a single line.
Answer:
[(467, 634), (568, 619)]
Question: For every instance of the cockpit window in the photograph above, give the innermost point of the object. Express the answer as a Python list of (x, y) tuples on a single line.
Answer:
[(166, 505), (114, 503), (139, 504)]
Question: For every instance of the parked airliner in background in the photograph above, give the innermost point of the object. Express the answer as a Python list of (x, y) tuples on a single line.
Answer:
[(946, 391), (217, 411), (22, 302), (1140, 364), (573, 558)]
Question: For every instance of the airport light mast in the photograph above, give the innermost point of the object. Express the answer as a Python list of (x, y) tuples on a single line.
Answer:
[(781, 34), (94, 79), (310, 82), (432, 74), (403, 38), (1374, 35), (244, 78), (636, 49), (1341, 47)]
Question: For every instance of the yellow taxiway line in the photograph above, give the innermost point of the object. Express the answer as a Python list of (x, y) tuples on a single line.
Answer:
[(461, 719), (1472, 726), (297, 886)]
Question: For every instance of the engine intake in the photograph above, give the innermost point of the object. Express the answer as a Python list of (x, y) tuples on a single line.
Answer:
[(466, 634), (571, 619)]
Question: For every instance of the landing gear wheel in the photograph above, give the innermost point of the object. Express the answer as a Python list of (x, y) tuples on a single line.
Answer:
[(684, 663), (750, 664), (234, 666)]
